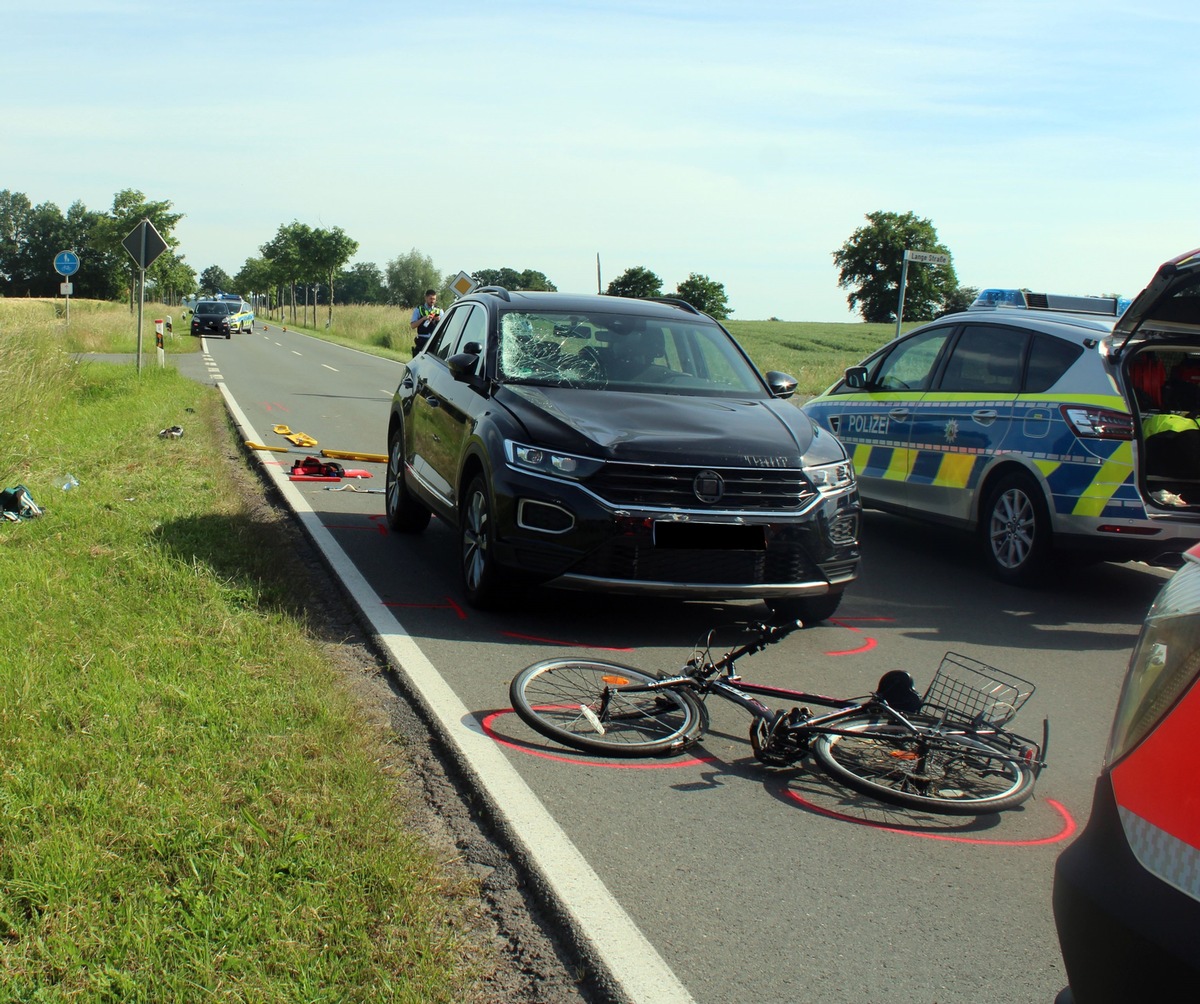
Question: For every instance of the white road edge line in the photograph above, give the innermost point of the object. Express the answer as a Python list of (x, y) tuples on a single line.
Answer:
[(633, 963)]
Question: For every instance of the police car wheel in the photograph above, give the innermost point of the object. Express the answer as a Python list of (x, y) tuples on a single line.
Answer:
[(1015, 530)]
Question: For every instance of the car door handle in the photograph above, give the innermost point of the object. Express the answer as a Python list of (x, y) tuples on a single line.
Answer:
[(985, 416), (898, 414), (433, 400)]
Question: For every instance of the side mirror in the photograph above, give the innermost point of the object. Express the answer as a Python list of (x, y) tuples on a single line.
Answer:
[(856, 377), (462, 365), (781, 384)]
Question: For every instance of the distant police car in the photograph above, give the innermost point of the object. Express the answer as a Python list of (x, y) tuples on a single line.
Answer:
[(1039, 421), (241, 314)]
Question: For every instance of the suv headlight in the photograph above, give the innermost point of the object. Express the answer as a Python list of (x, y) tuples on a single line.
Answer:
[(1165, 660), (552, 463), (831, 479)]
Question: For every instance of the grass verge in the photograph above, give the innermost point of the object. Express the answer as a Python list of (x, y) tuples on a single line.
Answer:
[(192, 805)]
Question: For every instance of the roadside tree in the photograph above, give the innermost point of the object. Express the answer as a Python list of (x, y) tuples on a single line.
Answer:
[(409, 275), (870, 262), (634, 282), (285, 252), (362, 282), (957, 300), (129, 208), (30, 237), (328, 251), (215, 279), (256, 278), (704, 294), (169, 278), (510, 278)]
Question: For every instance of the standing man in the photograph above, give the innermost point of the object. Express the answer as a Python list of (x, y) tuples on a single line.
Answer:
[(425, 319)]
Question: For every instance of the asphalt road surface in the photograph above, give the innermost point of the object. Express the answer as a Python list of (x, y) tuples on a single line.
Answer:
[(708, 877)]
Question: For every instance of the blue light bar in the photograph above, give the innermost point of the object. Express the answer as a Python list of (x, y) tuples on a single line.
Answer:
[(1105, 306)]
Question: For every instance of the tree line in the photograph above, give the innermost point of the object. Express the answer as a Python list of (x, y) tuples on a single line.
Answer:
[(308, 264), (300, 263)]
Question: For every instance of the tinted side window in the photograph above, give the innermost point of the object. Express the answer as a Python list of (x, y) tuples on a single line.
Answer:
[(473, 336), (909, 366), (1049, 359), (446, 335), (474, 331), (986, 360)]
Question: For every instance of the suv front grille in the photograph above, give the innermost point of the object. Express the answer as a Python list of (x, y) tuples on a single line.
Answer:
[(658, 486), (642, 562)]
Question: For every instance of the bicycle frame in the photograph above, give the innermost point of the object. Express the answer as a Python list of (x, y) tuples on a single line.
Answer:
[(732, 688), (947, 751)]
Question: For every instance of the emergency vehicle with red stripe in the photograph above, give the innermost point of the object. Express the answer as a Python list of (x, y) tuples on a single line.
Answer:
[(1127, 892)]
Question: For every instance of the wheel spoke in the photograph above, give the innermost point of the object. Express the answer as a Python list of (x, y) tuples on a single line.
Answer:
[(955, 774), (580, 703)]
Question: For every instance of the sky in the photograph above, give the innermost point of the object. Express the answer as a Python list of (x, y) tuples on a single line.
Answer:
[(1047, 141)]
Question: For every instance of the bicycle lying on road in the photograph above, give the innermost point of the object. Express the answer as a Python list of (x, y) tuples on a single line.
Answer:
[(948, 751)]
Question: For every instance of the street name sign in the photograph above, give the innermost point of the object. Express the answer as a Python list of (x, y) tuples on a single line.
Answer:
[(927, 257)]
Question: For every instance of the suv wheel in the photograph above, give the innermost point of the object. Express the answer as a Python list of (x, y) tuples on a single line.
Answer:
[(404, 513), (1015, 530), (480, 576), (809, 609)]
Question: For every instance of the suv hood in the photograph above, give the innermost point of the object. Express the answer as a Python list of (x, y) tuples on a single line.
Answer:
[(1167, 308), (768, 432)]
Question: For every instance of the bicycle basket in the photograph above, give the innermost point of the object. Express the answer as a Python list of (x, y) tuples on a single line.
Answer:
[(969, 691)]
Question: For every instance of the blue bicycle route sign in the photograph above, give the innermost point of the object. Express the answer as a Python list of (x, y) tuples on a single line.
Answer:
[(66, 263)]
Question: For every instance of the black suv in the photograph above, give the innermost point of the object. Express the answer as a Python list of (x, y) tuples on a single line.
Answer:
[(618, 445)]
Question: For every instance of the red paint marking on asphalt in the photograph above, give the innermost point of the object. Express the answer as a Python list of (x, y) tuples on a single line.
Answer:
[(569, 644), (448, 605), (1068, 827), (274, 406), (869, 644), (486, 724)]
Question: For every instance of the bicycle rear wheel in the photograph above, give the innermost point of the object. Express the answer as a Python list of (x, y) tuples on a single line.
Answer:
[(952, 775), (579, 703)]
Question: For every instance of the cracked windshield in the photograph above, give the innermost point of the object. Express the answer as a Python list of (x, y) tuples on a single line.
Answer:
[(622, 352)]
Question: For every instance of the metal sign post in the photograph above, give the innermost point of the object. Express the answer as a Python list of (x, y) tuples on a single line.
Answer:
[(924, 257), (66, 264), (144, 245)]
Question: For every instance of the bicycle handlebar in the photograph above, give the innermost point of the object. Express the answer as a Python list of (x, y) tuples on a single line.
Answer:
[(768, 634)]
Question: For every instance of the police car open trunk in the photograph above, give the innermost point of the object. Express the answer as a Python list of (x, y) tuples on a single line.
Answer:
[(1155, 353)]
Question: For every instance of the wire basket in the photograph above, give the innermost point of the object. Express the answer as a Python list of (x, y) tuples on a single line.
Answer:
[(970, 691)]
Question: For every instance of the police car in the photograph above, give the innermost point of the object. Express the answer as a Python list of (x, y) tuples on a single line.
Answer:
[(241, 314), (1039, 422), (1127, 891)]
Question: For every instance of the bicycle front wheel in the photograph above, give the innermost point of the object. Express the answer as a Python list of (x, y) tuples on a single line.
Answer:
[(580, 703), (954, 775)]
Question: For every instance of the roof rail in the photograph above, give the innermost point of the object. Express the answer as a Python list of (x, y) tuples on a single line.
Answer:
[(499, 291), (1022, 299), (675, 300)]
